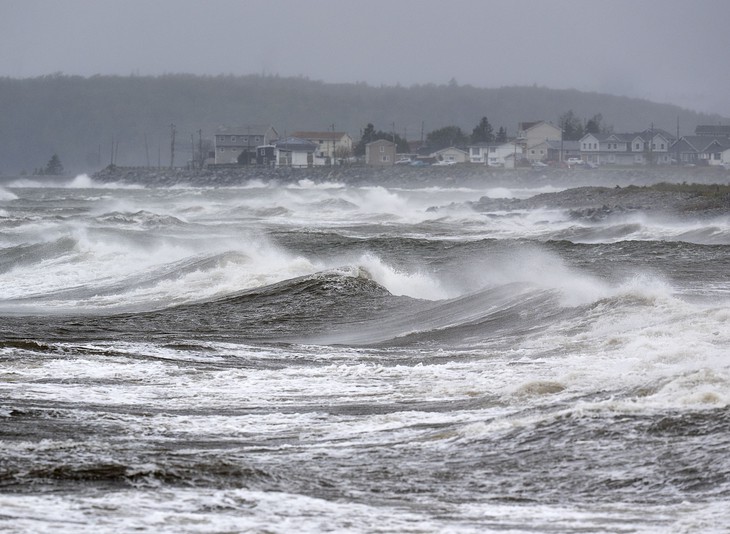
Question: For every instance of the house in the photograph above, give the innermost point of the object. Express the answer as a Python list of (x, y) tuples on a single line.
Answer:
[(266, 155), (652, 146), (294, 152), (237, 144), (725, 158), (451, 155), (530, 134), (712, 130), (332, 146), (380, 153), (493, 154), (700, 149)]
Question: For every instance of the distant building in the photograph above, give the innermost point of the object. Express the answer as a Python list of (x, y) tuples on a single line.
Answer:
[(494, 154), (237, 144), (331, 145), (530, 134), (294, 152), (652, 146), (700, 150), (451, 155), (380, 153), (712, 130)]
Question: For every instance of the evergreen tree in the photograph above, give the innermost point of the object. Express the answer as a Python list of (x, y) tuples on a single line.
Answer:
[(53, 167), (446, 137), (483, 132), (594, 125), (571, 126), (501, 135), (369, 135)]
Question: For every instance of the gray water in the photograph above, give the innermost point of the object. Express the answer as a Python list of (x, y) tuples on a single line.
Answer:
[(327, 358)]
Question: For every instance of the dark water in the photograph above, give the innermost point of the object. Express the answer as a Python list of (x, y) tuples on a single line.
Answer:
[(322, 358)]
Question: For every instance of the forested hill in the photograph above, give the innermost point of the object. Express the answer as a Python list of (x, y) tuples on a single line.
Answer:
[(81, 119)]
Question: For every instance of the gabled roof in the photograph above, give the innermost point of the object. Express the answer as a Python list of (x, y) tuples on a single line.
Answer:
[(381, 142), (450, 149), (524, 126), (329, 136), (296, 144), (713, 130), (250, 129), (701, 143)]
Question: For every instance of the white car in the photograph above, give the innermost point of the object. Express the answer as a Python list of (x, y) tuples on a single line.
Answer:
[(443, 163), (575, 161)]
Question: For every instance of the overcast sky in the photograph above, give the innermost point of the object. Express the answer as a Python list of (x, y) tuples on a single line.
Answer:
[(674, 51)]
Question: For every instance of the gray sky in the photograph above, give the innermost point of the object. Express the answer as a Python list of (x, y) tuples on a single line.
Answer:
[(674, 51)]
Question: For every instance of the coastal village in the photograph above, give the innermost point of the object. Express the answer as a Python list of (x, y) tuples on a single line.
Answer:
[(537, 144)]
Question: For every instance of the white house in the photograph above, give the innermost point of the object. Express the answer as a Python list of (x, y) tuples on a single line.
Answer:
[(331, 145), (725, 158), (294, 152), (451, 155), (494, 155), (649, 146)]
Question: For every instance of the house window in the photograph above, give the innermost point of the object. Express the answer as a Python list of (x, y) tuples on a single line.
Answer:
[(233, 138), (584, 146), (662, 146), (637, 146), (382, 149), (258, 139), (386, 158)]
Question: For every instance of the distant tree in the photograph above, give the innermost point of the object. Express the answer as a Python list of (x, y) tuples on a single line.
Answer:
[(483, 132), (501, 135), (571, 125), (446, 137), (369, 135), (53, 167), (594, 125)]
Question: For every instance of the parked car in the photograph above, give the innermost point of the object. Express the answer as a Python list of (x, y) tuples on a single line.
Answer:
[(444, 163), (404, 161), (575, 161), (418, 163), (539, 165)]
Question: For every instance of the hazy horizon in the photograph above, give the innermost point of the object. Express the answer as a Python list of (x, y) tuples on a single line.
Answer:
[(665, 51)]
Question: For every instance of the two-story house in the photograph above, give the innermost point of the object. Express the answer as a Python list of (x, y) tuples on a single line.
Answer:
[(494, 154), (651, 146), (237, 144), (332, 146), (531, 134), (380, 153)]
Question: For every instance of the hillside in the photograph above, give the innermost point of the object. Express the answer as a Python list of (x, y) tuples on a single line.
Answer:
[(81, 119)]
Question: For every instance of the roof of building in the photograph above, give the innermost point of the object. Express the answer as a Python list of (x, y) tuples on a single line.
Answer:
[(330, 136), (714, 130), (249, 129), (296, 144), (380, 142)]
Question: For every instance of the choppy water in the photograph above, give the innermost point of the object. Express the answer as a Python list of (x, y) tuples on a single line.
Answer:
[(322, 358)]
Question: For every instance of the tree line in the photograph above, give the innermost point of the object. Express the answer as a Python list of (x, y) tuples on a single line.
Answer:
[(90, 122)]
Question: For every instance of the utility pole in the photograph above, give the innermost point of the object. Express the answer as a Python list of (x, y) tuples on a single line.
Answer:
[(192, 151), (332, 159), (147, 149), (201, 159), (172, 145)]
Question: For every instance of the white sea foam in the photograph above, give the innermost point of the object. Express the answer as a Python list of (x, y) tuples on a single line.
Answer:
[(6, 195)]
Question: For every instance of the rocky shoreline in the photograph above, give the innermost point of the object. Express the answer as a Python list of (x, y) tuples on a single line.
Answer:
[(464, 175), (586, 193)]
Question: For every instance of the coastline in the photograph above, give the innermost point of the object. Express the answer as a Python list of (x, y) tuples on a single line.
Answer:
[(464, 175)]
